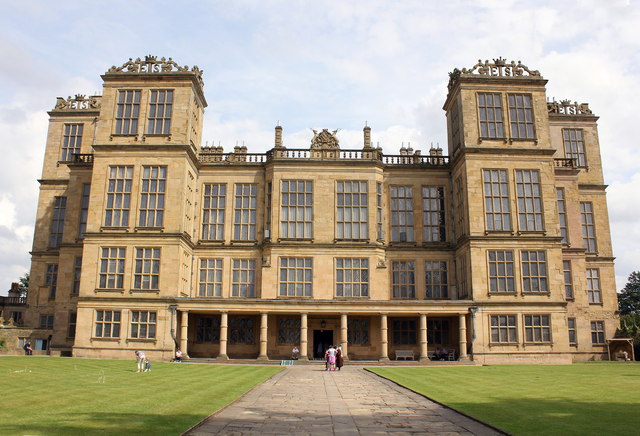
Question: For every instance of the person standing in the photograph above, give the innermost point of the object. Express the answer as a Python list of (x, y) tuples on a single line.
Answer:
[(331, 358), (339, 357), (140, 358)]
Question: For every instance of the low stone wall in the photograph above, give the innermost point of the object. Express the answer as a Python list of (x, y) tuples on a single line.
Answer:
[(12, 334)]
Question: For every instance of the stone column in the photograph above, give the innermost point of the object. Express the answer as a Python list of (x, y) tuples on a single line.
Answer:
[(424, 350), (224, 323), (463, 336), (184, 331), (304, 350), (263, 336), (384, 343), (344, 335)]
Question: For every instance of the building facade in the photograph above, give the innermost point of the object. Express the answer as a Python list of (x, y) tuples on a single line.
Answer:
[(498, 252)]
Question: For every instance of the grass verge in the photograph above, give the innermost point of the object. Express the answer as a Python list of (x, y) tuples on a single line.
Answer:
[(65, 396), (535, 400)]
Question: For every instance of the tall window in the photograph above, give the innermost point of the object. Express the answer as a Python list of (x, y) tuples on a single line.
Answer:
[(534, 271), (403, 280), (562, 215), (77, 273), (241, 330), (438, 331), (57, 221), (588, 227), (521, 116), (574, 146), (154, 182), (296, 276), (84, 210), (529, 200), (537, 328), (107, 324), (127, 112), (112, 268), (504, 329), (357, 331), (573, 333), (46, 321), (352, 277), (160, 106), (213, 212), (51, 280), (436, 281), (568, 279), (490, 114), (73, 320), (244, 278), (433, 213), (147, 272), (402, 214), (118, 196), (593, 285), (379, 228), (501, 271), (496, 200), (404, 332), (143, 324), (267, 217), (597, 332), (460, 209), (210, 278), (289, 330), (208, 329), (244, 224), (71, 141), (296, 218), (353, 210)]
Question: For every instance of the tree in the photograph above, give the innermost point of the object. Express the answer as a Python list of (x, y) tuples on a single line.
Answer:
[(629, 297), (24, 284)]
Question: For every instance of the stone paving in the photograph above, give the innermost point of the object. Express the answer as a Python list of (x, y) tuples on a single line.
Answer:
[(306, 400)]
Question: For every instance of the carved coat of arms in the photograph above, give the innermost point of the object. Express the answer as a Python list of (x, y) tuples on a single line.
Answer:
[(324, 139)]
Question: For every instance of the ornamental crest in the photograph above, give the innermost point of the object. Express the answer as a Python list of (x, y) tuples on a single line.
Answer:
[(79, 102), (324, 139), (151, 64)]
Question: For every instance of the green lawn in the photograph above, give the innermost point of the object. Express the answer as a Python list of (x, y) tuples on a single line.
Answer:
[(595, 399), (65, 396)]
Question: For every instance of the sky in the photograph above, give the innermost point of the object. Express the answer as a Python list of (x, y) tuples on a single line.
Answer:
[(317, 64)]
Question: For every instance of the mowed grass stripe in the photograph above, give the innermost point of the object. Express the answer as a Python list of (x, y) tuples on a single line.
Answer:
[(58, 396), (581, 399)]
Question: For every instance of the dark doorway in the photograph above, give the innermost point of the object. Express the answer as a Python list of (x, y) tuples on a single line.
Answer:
[(321, 341)]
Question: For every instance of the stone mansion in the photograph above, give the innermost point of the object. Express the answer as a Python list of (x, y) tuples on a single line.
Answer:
[(498, 251)]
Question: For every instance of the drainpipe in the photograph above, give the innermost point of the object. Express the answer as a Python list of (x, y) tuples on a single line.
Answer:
[(172, 309), (473, 311)]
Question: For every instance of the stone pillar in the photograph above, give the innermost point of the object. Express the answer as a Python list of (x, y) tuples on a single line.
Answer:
[(344, 336), (278, 136), (424, 350), (304, 348), (224, 324), (367, 137), (263, 336), (184, 331), (463, 337), (384, 343)]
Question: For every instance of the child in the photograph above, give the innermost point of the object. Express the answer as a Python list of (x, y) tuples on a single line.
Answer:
[(147, 366)]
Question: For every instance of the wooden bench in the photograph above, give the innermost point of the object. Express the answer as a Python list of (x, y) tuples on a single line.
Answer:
[(404, 354)]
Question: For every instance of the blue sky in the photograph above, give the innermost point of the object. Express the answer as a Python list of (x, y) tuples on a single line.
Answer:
[(317, 64)]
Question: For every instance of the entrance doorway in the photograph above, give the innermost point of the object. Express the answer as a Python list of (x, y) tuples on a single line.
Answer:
[(321, 341)]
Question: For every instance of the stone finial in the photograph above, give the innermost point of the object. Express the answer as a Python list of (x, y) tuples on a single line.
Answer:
[(278, 136), (367, 137)]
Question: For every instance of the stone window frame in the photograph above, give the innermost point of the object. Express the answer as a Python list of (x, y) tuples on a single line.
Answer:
[(352, 198), (118, 198), (587, 220), (594, 290), (497, 200), (521, 116), (213, 210), (562, 215), (434, 214), (127, 112), (505, 328), (112, 263), (146, 274), (358, 331), (379, 212), (143, 324), (72, 324), (401, 207), (245, 212), (534, 271), (51, 279), (107, 323), (153, 187), (207, 329), (490, 114), (243, 278), (57, 221), (71, 141), (295, 277), (210, 277), (436, 280), (349, 274), (288, 330), (46, 321), (567, 272), (242, 330), (574, 146), (501, 270), (536, 331), (598, 332), (296, 220), (160, 112), (529, 202), (84, 209), (403, 280), (77, 274), (404, 331), (572, 330), (438, 331)]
